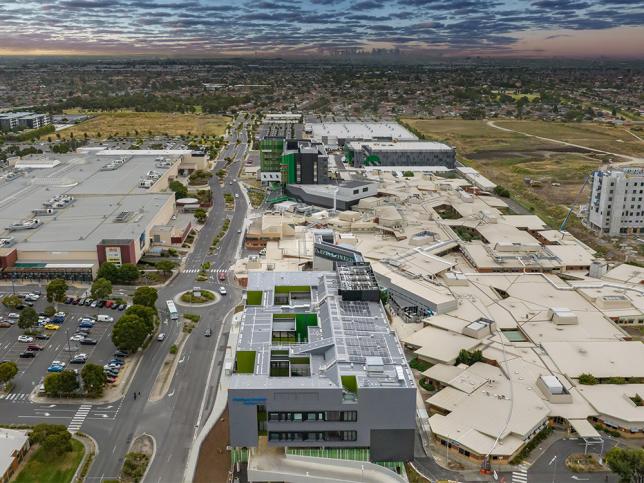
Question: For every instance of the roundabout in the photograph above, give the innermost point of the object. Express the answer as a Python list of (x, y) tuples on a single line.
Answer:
[(197, 298)]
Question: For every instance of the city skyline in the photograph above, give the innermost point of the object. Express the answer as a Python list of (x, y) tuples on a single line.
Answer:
[(508, 28)]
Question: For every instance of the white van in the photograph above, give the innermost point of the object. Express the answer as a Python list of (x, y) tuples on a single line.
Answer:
[(105, 318)]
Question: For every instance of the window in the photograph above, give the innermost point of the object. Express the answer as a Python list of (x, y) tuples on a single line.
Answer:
[(355, 192), (364, 190)]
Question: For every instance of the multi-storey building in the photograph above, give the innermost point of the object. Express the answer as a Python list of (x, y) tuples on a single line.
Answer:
[(616, 204), (23, 120), (290, 161), (404, 153), (317, 365)]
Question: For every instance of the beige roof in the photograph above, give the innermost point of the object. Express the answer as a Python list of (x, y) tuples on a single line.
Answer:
[(443, 373), (626, 273), (531, 222), (571, 255), (614, 400), (584, 428), (599, 358), (11, 440), (440, 345)]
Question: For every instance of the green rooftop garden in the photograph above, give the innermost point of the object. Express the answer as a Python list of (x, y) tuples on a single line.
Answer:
[(245, 362), (254, 297), (350, 384)]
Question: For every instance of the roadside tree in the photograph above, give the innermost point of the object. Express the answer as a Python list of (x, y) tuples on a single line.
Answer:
[(165, 266), (93, 379), (146, 296), (8, 371), (60, 383), (101, 288), (54, 438), (628, 463), (180, 190), (129, 333), (145, 313)]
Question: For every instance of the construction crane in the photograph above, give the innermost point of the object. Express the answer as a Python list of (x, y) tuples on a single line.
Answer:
[(572, 205)]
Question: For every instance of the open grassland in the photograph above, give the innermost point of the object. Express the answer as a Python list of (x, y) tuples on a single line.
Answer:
[(509, 158), (41, 468), (142, 124), (611, 139)]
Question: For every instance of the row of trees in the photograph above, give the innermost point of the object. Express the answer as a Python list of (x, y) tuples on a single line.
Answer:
[(138, 321), (66, 382)]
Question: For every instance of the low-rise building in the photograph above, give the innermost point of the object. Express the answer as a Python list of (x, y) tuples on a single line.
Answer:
[(14, 445), (407, 154)]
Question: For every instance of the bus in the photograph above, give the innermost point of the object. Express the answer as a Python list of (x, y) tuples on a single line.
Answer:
[(172, 309)]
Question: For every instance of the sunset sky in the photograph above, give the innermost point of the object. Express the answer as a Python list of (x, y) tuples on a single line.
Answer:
[(539, 28)]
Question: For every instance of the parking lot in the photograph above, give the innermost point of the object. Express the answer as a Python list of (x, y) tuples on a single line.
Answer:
[(58, 347)]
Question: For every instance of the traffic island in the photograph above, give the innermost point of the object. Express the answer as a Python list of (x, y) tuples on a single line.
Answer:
[(138, 459), (197, 298)]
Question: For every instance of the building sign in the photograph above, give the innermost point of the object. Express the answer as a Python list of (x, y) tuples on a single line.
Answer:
[(142, 241), (113, 255), (250, 401), (334, 253)]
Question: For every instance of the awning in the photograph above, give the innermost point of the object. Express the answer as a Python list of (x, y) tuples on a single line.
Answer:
[(584, 428)]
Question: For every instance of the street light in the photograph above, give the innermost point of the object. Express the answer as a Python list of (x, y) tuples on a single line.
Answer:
[(554, 472)]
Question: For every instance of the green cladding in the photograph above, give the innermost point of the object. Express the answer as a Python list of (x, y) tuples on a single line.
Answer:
[(270, 154), (287, 168)]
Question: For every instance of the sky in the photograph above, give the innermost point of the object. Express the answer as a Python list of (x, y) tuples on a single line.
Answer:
[(495, 28)]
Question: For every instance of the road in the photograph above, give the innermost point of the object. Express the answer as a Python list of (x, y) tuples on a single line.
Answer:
[(174, 420)]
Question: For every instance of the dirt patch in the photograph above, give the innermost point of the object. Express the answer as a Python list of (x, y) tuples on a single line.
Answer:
[(143, 444), (214, 460), (585, 463)]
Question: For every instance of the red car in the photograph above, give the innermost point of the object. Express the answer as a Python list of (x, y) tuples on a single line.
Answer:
[(222, 276), (108, 304)]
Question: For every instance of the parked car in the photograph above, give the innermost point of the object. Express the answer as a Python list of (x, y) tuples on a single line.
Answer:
[(100, 304), (20, 306), (13, 315), (68, 300), (42, 336), (105, 318), (120, 353), (122, 307), (77, 337), (55, 368), (88, 302), (108, 303), (27, 355), (79, 359), (118, 362), (111, 379), (25, 338), (4, 324), (88, 341), (76, 301), (35, 347), (94, 303), (52, 326), (161, 337)]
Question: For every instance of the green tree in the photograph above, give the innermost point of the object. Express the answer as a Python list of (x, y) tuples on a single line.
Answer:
[(101, 288), (129, 272), (145, 313), (8, 371), (94, 379), (501, 191), (54, 439), (165, 266), (108, 271), (588, 379), (28, 317), (11, 301), (180, 190), (469, 358), (129, 333), (59, 383), (628, 463), (57, 290), (145, 296), (49, 311), (200, 215)]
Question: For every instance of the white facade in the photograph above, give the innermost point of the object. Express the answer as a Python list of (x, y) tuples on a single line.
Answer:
[(616, 201)]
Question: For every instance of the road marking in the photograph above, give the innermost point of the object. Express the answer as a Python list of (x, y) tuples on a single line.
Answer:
[(171, 394), (520, 475), (79, 418)]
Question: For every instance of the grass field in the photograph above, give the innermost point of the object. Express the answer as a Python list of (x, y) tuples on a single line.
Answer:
[(41, 469), (142, 124), (507, 158)]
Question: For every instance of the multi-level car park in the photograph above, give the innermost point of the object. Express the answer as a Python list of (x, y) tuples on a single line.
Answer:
[(77, 334)]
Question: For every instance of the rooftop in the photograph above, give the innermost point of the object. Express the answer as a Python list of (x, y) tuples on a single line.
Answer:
[(360, 130)]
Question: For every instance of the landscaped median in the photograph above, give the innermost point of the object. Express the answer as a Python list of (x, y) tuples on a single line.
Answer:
[(197, 297)]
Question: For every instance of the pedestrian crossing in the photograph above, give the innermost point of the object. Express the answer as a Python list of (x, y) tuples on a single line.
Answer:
[(213, 270), (79, 418), (14, 397), (520, 475)]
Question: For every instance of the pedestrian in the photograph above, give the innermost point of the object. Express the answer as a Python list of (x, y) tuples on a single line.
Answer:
[(135, 396)]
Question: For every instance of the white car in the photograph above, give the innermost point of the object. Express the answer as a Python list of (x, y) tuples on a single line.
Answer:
[(25, 338), (161, 337), (13, 315), (77, 337), (222, 290), (58, 363), (236, 196)]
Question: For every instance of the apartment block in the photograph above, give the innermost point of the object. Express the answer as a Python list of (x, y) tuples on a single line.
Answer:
[(616, 204)]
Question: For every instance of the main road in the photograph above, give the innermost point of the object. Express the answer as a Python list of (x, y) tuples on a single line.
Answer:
[(173, 420)]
